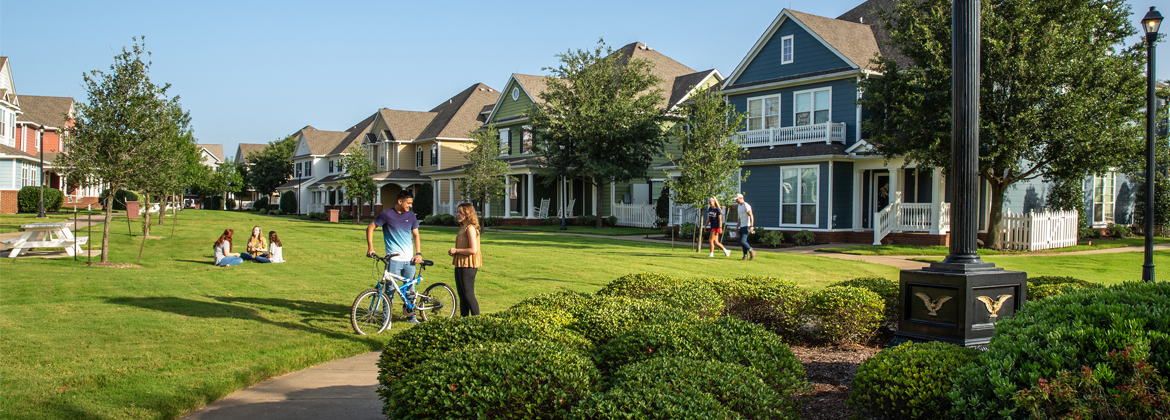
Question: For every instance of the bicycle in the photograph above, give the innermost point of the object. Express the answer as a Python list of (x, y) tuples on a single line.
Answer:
[(372, 309)]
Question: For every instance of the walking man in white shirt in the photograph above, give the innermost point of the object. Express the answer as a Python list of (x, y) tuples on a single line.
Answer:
[(746, 226)]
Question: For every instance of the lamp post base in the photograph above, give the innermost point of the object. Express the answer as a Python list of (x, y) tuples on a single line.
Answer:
[(957, 306)]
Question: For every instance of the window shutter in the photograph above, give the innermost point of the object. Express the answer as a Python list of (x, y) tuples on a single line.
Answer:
[(509, 141)]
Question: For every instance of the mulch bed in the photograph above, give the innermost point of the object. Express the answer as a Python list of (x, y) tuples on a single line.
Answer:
[(829, 371), (115, 265)]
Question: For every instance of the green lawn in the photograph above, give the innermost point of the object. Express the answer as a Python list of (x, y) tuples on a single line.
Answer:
[(12, 222), (161, 341), (1099, 268), (1103, 243), (589, 230)]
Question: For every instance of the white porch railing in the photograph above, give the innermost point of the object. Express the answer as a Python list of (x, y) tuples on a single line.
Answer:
[(1039, 230), (823, 132), (443, 208), (910, 217), (635, 215), (683, 214)]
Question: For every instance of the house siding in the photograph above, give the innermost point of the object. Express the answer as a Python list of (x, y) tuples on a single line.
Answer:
[(809, 55), (842, 195), (452, 154), (762, 191), (510, 108), (842, 110), (7, 181)]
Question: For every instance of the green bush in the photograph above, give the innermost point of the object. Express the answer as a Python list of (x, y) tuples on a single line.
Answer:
[(448, 220), (910, 381), (886, 288), (1089, 233), (725, 339), (316, 215), (773, 238), (491, 221), (638, 389), (776, 304), (213, 203), (1041, 287), (607, 316), (639, 284), (611, 221), (804, 238), (551, 221), (1060, 334), (1072, 395), (846, 314), (409, 348), (521, 380), (586, 220), (686, 231), (288, 202), (696, 297), (231, 204), (260, 204), (572, 302), (1118, 231), (345, 215), (28, 200), (120, 198)]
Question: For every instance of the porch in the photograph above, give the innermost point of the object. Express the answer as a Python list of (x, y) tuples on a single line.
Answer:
[(827, 132)]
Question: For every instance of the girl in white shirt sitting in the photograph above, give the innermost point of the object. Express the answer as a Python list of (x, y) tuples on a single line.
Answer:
[(274, 248)]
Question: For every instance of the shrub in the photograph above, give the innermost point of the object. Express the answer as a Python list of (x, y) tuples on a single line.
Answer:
[(886, 288), (662, 206), (686, 230), (661, 222), (213, 203), (345, 215), (1041, 287), (231, 204), (120, 198), (772, 238), (260, 204), (611, 221), (607, 316), (433, 219), (288, 202), (1141, 394), (448, 220), (491, 221), (640, 284), (586, 220), (776, 304), (521, 380), (638, 389), (846, 314), (1061, 334), (804, 238), (1089, 233), (551, 221), (571, 302), (910, 381), (1118, 231), (28, 200), (696, 297), (725, 339), (315, 215)]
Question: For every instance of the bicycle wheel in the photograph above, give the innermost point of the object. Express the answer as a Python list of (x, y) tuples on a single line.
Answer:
[(438, 301), (370, 313)]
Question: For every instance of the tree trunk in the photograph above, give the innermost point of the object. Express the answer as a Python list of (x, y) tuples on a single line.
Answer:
[(223, 201), (161, 210), (174, 217), (995, 219), (597, 204), (145, 219), (106, 227)]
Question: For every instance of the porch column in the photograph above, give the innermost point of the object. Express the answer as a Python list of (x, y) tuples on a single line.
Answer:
[(451, 196), (596, 205), (895, 197), (508, 197), (561, 198), (612, 195), (858, 199), (528, 209), (936, 199), (435, 196)]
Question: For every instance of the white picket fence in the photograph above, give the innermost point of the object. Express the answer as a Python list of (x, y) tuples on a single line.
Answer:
[(443, 208), (635, 215), (1039, 230)]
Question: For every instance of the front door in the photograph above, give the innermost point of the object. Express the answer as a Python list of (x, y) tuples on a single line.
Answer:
[(881, 191)]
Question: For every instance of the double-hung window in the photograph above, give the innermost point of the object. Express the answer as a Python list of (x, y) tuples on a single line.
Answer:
[(418, 155), (298, 169), (331, 166), (505, 142), (434, 154), (798, 195), (1103, 197), (527, 140), (786, 47), (764, 113), (309, 168), (811, 106)]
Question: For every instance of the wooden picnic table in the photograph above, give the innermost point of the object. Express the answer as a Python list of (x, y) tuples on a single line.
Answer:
[(45, 235)]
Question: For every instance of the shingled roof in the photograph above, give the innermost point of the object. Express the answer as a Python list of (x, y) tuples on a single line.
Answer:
[(664, 67), (869, 13), (49, 111), (215, 150), (458, 116), (534, 85), (406, 125), (321, 142), (853, 40), (353, 133), (245, 148), (684, 84)]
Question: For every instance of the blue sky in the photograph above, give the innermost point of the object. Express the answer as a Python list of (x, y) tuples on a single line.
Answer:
[(252, 72)]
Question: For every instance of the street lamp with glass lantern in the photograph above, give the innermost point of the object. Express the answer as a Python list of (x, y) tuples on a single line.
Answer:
[(1150, 24), (41, 177)]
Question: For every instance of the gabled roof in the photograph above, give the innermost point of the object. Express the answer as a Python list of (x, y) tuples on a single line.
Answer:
[(51, 157), (869, 13), (458, 116), (215, 150), (245, 148), (321, 142), (47, 111), (686, 84), (354, 133), (533, 85), (6, 150), (853, 42), (664, 67), (8, 94), (406, 125)]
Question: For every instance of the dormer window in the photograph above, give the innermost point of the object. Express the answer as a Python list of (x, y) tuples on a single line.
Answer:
[(505, 142), (434, 154), (786, 47)]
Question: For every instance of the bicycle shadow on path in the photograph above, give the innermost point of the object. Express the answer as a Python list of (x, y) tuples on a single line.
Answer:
[(229, 308)]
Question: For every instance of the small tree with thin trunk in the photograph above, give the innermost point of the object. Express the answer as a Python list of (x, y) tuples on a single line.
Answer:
[(270, 168), (709, 163), (359, 186), (125, 114), (485, 171)]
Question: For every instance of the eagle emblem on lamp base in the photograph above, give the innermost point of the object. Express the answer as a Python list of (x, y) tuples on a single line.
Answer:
[(994, 306), (932, 305)]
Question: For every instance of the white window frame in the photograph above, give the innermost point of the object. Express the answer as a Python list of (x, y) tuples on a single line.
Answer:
[(382, 161), (330, 166), (434, 154), (789, 43), (1109, 198), (526, 139), (515, 94), (817, 203), (504, 149), (418, 156), (812, 101), (309, 169), (763, 112)]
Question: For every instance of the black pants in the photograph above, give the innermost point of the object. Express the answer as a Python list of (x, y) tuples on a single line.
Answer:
[(465, 285), (743, 239)]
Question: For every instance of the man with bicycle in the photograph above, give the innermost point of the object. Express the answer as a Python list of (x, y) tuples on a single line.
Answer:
[(400, 232)]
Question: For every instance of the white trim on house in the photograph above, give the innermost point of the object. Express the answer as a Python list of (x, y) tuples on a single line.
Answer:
[(817, 202), (767, 36), (763, 112), (714, 73), (790, 39), (505, 138), (857, 102), (845, 74), (812, 97)]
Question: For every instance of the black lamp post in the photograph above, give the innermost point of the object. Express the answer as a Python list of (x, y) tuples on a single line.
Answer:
[(41, 146), (1150, 24)]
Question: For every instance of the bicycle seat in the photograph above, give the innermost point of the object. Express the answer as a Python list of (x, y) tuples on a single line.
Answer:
[(427, 263)]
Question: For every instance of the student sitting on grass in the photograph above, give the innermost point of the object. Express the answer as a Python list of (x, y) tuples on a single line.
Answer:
[(274, 248), (257, 247), (223, 250)]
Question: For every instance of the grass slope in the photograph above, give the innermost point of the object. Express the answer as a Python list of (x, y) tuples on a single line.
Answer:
[(161, 341), (1088, 245)]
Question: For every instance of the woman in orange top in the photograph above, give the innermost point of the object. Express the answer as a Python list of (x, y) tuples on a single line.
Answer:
[(467, 258)]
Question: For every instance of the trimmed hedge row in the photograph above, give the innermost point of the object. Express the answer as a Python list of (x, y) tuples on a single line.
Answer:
[(28, 200), (910, 381)]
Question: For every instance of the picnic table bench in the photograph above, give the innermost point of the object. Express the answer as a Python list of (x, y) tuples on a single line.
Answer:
[(44, 235)]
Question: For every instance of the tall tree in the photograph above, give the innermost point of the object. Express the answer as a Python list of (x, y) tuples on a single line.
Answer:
[(125, 115), (226, 178), (1061, 92), (609, 105), (709, 163), (271, 167), (485, 171), (359, 186)]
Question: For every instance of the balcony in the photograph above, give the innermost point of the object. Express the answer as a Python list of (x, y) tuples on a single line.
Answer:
[(824, 132)]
